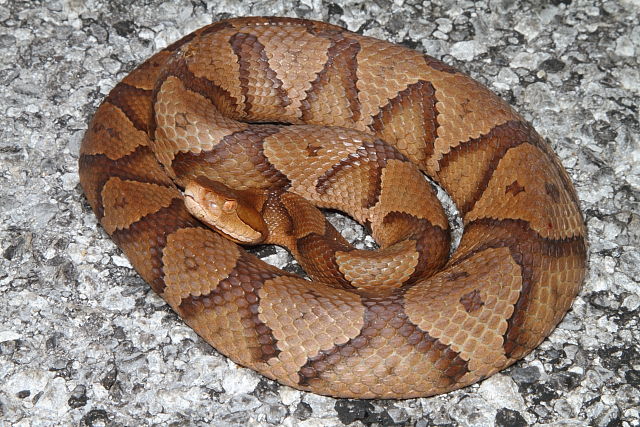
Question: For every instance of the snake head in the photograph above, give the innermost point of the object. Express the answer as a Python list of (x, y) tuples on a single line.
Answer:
[(233, 213)]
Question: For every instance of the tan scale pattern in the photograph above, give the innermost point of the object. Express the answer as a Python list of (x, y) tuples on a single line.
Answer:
[(212, 58), (126, 202), (285, 46), (465, 168), (305, 218), (543, 201), (112, 134), (544, 265), (182, 128), (300, 227), (385, 359), (350, 190), (470, 110), (187, 263), (397, 177), (237, 161), (228, 316), (135, 103), (140, 165), (409, 121), (384, 71), (306, 320), (519, 265), (288, 152), (475, 332), (143, 240), (332, 99), (375, 271), (264, 96)]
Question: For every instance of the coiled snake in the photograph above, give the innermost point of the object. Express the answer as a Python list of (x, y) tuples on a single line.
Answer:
[(254, 118)]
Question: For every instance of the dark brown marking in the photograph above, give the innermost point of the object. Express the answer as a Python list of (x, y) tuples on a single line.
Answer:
[(191, 263), (322, 29), (452, 277), (97, 169), (319, 258), (499, 140), (151, 68), (526, 247), (182, 120), (153, 230), (134, 102), (432, 242), (120, 201), (341, 58), (552, 191), (248, 142), (385, 316), (241, 288), (374, 152), (312, 150), (420, 95), (471, 301), (219, 97), (514, 188), (251, 54), (100, 127)]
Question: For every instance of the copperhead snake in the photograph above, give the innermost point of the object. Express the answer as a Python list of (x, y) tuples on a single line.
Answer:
[(257, 118)]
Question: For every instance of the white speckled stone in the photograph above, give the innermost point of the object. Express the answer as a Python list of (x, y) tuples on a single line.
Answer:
[(467, 50), (239, 380), (500, 391)]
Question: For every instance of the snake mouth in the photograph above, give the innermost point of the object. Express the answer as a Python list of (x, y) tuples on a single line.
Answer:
[(188, 193)]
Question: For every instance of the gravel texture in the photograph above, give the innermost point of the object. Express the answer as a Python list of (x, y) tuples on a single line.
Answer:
[(83, 340)]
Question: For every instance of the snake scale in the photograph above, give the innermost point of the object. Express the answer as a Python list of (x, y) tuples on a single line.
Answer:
[(276, 115)]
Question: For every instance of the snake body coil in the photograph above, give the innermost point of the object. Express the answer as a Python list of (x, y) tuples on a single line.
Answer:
[(416, 325)]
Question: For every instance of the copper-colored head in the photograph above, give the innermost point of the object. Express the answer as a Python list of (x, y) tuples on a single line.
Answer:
[(228, 211)]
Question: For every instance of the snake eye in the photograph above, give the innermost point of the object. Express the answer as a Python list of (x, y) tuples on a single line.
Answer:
[(213, 206), (229, 206)]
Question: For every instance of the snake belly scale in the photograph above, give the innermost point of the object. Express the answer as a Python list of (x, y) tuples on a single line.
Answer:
[(257, 103)]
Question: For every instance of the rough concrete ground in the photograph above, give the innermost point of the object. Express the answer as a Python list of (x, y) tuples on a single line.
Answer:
[(83, 340)]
